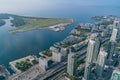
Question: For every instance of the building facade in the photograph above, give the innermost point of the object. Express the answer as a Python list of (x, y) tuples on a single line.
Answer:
[(111, 45), (43, 63), (111, 49), (89, 59), (116, 74), (97, 46), (114, 35), (100, 62), (56, 55), (71, 64)]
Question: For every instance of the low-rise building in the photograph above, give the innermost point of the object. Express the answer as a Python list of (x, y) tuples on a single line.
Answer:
[(64, 51), (71, 64), (43, 63), (56, 55)]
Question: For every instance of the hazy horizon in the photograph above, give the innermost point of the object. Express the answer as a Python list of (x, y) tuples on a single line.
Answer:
[(27, 6)]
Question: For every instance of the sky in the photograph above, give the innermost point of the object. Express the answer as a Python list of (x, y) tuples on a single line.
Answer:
[(19, 6)]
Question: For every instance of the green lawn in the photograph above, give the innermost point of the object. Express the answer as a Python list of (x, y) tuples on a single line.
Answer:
[(23, 65), (117, 47), (34, 62), (47, 53)]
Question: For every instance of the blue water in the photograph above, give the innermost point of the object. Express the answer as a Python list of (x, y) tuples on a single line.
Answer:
[(15, 46)]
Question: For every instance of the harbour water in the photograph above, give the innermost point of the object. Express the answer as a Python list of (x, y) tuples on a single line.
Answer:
[(15, 46)]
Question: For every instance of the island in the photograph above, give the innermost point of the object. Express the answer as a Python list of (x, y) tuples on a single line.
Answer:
[(23, 23)]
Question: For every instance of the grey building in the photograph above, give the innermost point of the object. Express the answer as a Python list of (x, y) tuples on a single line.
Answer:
[(101, 62), (116, 74), (71, 64), (117, 23), (114, 35), (97, 46), (43, 63), (118, 31), (111, 45), (97, 38), (56, 55), (111, 49), (89, 59)]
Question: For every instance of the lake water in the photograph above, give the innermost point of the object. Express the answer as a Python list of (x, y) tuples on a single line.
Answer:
[(15, 46)]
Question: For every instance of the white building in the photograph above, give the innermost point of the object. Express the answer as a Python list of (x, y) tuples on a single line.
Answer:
[(101, 62), (116, 74), (116, 22), (114, 35), (64, 51), (89, 59), (111, 46), (56, 55), (97, 46), (43, 63), (97, 38), (117, 25), (71, 64)]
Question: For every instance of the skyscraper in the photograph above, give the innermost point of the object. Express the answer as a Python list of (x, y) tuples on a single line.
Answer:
[(100, 62), (117, 24), (111, 45), (118, 27), (97, 38), (89, 59), (111, 49), (114, 35), (97, 46), (71, 64), (116, 74)]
